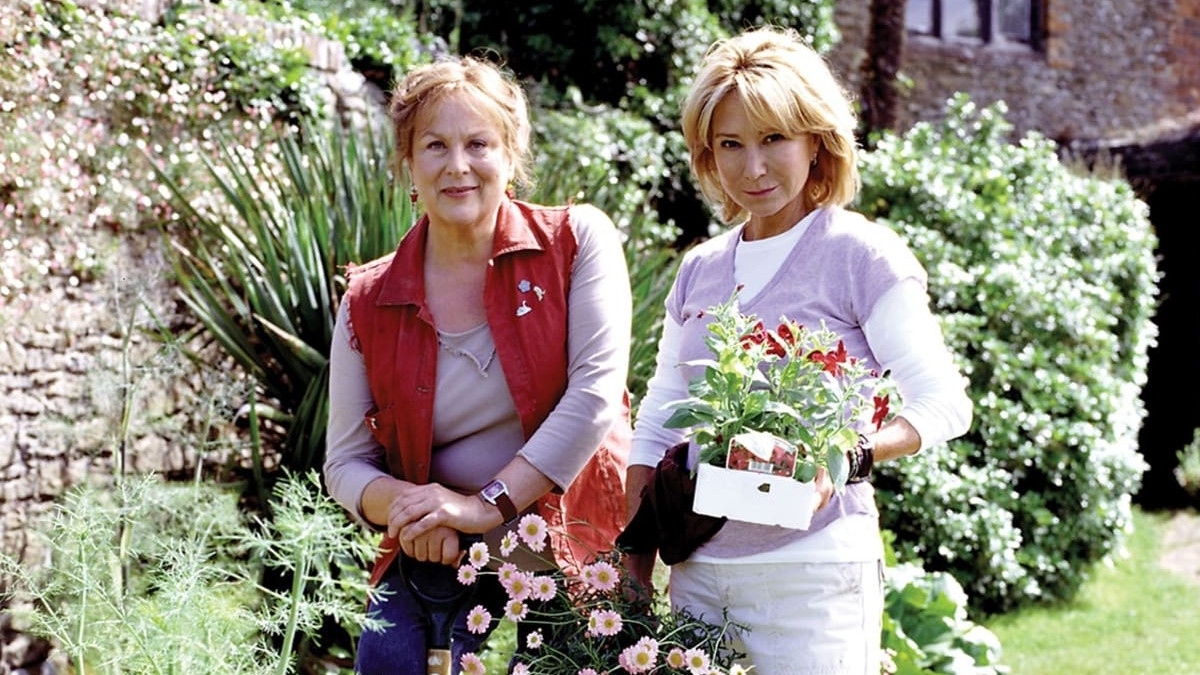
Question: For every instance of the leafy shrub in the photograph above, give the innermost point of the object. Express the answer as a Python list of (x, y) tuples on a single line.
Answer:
[(1045, 280), (618, 162), (1188, 471), (263, 269), (639, 57), (377, 35), (88, 91)]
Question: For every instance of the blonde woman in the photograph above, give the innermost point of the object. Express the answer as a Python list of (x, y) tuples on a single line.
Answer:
[(771, 137)]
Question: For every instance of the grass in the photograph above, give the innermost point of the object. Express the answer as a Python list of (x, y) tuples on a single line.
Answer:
[(1134, 617)]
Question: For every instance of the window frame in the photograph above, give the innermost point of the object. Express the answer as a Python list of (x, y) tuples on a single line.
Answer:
[(988, 21)]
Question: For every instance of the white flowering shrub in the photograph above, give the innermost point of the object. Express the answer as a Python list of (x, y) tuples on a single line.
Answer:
[(1045, 281)]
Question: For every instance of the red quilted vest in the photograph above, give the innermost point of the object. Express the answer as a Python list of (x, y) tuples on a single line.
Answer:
[(396, 335)]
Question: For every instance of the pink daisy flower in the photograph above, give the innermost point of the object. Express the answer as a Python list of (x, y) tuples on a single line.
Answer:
[(518, 585), (534, 639), (601, 576), (467, 575), (697, 661), (478, 619), (515, 610), (544, 587), (508, 543), (533, 531), (639, 658), (604, 622), (506, 571), (472, 664), (478, 554)]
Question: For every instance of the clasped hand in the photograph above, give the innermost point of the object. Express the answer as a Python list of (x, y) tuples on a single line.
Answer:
[(427, 520)]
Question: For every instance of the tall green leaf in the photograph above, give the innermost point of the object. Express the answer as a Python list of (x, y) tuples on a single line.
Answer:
[(263, 269)]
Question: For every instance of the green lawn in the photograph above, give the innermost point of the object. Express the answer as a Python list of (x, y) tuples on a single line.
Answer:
[(1134, 618)]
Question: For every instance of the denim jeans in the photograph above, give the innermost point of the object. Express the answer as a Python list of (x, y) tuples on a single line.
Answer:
[(400, 649)]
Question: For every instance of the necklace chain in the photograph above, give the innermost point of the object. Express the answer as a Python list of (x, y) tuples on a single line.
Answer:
[(483, 367)]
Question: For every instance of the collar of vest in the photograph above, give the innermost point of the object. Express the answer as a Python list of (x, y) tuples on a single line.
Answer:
[(401, 287)]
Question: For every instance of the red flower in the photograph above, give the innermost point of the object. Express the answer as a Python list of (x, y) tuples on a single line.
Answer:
[(881, 411), (775, 347), (786, 334), (832, 360), (756, 336)]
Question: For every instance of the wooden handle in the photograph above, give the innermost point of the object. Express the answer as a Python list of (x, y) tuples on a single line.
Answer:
[(439, 661)]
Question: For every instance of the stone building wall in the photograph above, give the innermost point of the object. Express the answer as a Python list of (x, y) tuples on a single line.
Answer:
[(86, 387), (1108, 69)]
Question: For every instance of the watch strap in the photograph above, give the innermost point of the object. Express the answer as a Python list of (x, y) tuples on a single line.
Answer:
[(496, 493)]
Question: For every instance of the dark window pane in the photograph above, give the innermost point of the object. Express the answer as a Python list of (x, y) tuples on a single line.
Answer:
[(1015, 17), (918, 16), (960, 19)]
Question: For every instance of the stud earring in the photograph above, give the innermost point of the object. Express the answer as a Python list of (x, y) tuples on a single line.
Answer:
[(814, 161)]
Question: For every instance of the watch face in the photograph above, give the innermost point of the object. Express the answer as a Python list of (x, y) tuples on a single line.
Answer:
[(493, 489)]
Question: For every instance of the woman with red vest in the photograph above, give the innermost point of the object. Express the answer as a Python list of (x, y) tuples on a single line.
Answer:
[(478, 373)]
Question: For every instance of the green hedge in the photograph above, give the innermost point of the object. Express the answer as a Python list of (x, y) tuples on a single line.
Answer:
[(1045, 279)]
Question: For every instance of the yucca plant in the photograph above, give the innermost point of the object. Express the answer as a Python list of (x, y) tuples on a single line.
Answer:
[(263, 270)]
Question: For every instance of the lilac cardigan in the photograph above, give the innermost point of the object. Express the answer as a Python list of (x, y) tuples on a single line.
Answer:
[(836, 272)]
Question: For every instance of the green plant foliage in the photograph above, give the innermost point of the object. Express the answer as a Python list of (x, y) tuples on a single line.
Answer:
[(1188, 471), (263, 272), (926, 629), (162, 597), (376, 34), (324, 557), (88, 91), (150, 578), (814, 19), (1045, 280)]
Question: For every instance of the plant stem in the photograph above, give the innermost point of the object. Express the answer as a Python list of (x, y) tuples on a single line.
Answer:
[(289, 635), (83, 602)]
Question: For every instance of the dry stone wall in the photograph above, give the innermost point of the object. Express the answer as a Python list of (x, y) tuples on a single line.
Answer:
[(86, 389)]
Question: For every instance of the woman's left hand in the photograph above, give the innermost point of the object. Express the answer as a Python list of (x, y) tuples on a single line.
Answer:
[(419, 511)]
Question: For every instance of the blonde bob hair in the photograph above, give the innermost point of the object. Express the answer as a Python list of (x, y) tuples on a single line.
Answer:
[(786, 87), (490, 89)]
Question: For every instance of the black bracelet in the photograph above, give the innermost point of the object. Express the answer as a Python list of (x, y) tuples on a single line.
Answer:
[(862, 458), (852, 462)]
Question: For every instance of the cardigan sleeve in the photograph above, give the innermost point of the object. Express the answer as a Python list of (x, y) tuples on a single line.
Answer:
[(599, 325), (352, 456)]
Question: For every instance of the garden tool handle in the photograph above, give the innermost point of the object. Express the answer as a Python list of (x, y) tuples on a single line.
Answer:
[(437, 588)]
